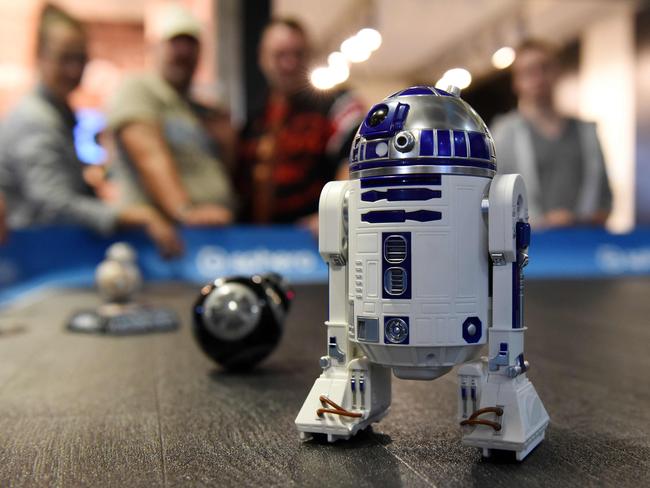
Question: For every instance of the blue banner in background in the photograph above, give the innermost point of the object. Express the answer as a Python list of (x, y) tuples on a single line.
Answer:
[(66, 257), (586, 252)]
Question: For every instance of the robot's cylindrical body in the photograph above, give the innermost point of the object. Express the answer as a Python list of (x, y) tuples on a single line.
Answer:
[(425, 247), (421, 166)]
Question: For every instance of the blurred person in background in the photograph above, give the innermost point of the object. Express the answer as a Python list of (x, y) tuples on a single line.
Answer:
[(3, 220), (296, 139), (168, 149), (559, 157), (41, 176)]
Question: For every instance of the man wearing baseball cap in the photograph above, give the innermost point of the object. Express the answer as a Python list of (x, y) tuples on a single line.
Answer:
[(164, 154)]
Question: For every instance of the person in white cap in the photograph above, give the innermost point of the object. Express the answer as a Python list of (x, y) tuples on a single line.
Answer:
[(165, 154)]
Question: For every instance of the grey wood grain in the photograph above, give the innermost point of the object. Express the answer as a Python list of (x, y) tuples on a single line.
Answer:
[(81, 410)]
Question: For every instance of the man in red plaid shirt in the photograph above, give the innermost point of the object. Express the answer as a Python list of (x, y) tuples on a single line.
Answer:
[(296, 139)]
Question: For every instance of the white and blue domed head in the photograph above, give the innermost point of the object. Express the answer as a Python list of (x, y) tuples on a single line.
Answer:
[(422, 130)]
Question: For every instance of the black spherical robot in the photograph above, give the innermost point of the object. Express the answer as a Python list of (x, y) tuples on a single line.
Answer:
[(238, 321)]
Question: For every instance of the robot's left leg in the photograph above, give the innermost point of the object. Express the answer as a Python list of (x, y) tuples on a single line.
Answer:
[(349, 395)]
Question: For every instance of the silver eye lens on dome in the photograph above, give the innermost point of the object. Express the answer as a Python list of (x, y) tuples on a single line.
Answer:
[(404, 141)]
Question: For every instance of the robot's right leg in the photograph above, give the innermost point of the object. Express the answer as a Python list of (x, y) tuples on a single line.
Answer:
[(349, 395)]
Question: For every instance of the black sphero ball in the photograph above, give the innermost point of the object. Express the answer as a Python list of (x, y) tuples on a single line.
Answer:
[(238, 321)]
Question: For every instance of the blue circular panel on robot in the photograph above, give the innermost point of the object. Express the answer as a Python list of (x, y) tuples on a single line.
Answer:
[(472, 330), (397, 330)]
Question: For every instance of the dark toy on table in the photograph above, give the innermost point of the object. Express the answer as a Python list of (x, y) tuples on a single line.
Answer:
[(238, 321)]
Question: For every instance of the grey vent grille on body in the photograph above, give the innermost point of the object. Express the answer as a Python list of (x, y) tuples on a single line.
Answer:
[(395, 281), (395, 249)]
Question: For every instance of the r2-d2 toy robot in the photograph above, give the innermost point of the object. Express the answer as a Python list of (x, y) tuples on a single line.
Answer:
[(426, 247)]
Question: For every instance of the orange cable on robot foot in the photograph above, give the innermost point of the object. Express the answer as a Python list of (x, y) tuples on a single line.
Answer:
[(472, 420), (342, 413), (336, 409), (496, 410), (495, 425)]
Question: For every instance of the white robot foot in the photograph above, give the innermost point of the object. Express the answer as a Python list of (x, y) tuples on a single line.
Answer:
[(510, 415), (340, 403)]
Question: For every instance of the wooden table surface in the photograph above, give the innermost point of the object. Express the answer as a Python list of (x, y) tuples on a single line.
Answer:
[(80, 410)]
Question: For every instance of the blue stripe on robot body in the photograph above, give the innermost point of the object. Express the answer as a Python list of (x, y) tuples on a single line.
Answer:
[(401, 180), (400, 195), (423, 162)]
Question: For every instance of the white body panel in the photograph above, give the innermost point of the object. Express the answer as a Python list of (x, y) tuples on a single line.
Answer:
[(448, 277)]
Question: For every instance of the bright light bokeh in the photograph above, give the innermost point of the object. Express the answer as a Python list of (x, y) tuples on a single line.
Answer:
[(338, 66), (337, 58), (339, 72), (504, 57), (371, 38), (355, 50), (458, 77), (322, 78)]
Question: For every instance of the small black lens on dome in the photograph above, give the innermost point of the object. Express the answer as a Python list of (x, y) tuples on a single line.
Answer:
[(377, 116)]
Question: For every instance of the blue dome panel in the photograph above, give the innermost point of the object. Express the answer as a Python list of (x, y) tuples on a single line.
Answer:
[(417, 90), (478, 146)]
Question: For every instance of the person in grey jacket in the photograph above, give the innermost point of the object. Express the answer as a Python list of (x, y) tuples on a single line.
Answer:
[(559, 157), (41, 176)]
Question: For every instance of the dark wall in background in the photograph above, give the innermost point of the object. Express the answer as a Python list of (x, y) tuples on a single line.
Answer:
[(643, 117), (255, 15), (491, 96)]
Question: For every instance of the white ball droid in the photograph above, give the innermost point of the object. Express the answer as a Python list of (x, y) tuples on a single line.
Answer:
[(118, 280), (118, 276), (425, 246)]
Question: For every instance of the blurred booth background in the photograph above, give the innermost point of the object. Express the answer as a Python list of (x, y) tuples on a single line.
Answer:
[(605, 59), (605, 56)]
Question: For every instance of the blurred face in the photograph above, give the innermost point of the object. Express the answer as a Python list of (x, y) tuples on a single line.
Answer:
[(283, 59), (62, 59), (178, 59), (534, 74)]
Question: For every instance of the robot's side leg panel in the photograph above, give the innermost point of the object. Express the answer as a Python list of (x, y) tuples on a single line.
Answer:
[(510, 414), (349, 395)]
